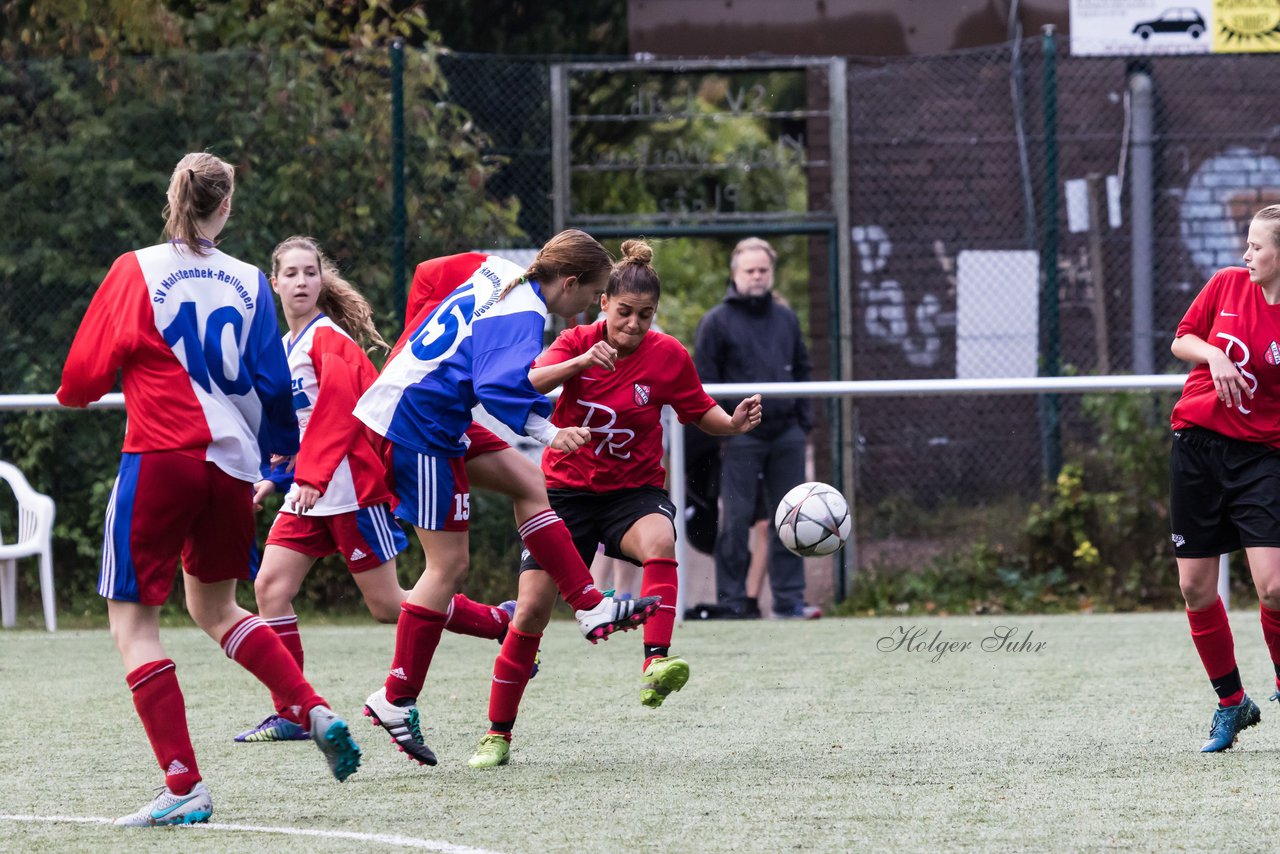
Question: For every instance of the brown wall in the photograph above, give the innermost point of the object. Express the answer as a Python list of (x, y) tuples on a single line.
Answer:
[(829, 27), (935, 170)]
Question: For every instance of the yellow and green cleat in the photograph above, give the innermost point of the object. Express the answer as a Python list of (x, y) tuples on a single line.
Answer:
[(663, 676), (493, 750)]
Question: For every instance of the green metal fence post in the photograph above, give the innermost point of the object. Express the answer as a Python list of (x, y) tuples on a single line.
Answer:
[(398, 271), (1050, 358)]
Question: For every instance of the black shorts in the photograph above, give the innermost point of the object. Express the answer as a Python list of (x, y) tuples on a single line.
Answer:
[(604, 517), (1224, 494)]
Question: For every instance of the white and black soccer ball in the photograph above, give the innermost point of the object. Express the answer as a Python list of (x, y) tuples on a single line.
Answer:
[(813, 520)]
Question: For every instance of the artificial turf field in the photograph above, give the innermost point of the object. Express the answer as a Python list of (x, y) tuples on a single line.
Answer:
[(790, 736)]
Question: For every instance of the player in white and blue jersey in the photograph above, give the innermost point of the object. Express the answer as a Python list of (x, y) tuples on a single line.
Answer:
[(477, 346)]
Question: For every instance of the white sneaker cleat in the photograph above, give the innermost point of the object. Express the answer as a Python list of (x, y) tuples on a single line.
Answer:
[(613, 615), (401, 723), (168, 808)]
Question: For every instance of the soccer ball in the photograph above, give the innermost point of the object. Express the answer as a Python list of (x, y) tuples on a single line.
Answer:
[(813, 520)]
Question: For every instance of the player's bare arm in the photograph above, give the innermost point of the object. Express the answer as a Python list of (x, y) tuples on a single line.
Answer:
[(746, 417), (1231, 386)]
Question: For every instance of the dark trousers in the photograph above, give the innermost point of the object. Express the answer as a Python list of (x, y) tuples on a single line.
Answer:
[(749, 464)]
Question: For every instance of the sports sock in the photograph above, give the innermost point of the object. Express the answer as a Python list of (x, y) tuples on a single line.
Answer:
[(251, 644), (652, 653), (1211, 634), (286, 628), (510, 676), (1271, 634), (547, 539), (467, 617), (417, 636), (660, 578), (158, 699)]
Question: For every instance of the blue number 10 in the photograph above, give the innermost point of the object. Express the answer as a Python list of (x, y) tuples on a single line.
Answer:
[(204, 353)]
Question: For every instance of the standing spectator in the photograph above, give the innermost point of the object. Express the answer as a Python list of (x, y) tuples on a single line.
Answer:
[(751, 337), (206, 384), (1224, 469)]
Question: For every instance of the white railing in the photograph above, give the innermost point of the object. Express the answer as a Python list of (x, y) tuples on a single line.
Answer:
[(853, 389), (891, 388)]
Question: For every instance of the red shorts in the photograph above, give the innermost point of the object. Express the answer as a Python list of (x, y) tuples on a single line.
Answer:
[(483, 441), (166, 505), (366, 538)]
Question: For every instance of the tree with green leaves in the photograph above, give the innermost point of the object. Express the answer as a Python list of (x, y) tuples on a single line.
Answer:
[(98, 101)]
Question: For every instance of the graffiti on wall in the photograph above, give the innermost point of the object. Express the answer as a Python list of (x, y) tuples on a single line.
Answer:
[(1220, 199), (886, 314)]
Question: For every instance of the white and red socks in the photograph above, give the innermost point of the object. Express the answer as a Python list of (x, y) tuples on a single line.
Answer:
[(660, 578), (417, 635), (286, 628), (547, 539), (510, 676), (255, 647), (158, 699), (476, 620)]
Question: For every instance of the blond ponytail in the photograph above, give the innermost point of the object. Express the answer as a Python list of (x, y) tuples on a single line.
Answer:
[(199, 184)]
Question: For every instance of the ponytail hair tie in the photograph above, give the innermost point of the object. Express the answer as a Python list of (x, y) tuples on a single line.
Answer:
[(191, 173)]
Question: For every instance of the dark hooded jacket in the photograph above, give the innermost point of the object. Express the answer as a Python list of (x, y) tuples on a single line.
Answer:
[(756, 340)]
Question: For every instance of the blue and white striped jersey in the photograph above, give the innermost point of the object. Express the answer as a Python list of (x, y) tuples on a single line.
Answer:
[(473, 348)]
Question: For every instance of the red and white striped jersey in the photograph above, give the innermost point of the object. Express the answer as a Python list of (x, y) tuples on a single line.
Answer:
[(330, 372), (196, 339)]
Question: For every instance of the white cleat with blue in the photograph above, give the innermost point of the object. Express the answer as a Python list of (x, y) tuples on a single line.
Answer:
[(167, 808)]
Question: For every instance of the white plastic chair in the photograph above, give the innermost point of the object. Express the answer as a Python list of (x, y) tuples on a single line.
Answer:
[(35, 538)]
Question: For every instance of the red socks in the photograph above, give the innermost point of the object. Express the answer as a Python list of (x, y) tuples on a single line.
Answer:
[(417, 636), (510, 676), (479, 621), (252, 645), (286, 628), (159, 702), (548, 540), (1211, 634), (660, 579), (1271, 634)]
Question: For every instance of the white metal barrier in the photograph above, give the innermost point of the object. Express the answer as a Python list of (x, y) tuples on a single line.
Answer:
[(854, 389)]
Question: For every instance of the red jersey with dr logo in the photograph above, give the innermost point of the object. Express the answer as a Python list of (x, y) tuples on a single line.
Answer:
[(622, 408), (1232, 314)]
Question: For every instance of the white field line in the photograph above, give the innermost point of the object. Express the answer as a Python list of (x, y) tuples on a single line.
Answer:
[(380, 838)]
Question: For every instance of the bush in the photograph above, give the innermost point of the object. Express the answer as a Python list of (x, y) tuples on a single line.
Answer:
[(1097, 538)]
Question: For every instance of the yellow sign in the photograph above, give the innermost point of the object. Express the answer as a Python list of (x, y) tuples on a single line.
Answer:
[(1246, 26)]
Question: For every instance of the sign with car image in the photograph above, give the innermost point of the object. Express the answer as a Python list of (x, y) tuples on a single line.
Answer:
[(1149, 27)]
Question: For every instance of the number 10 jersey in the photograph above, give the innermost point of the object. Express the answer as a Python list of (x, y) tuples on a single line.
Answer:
[(197, 340)]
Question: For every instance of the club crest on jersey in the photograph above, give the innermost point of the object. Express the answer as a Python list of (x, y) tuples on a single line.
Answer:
[(1272, 354), (642, 394)]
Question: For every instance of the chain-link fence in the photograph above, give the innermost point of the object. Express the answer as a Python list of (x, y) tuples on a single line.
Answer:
[(986, 246), (957, 268)]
